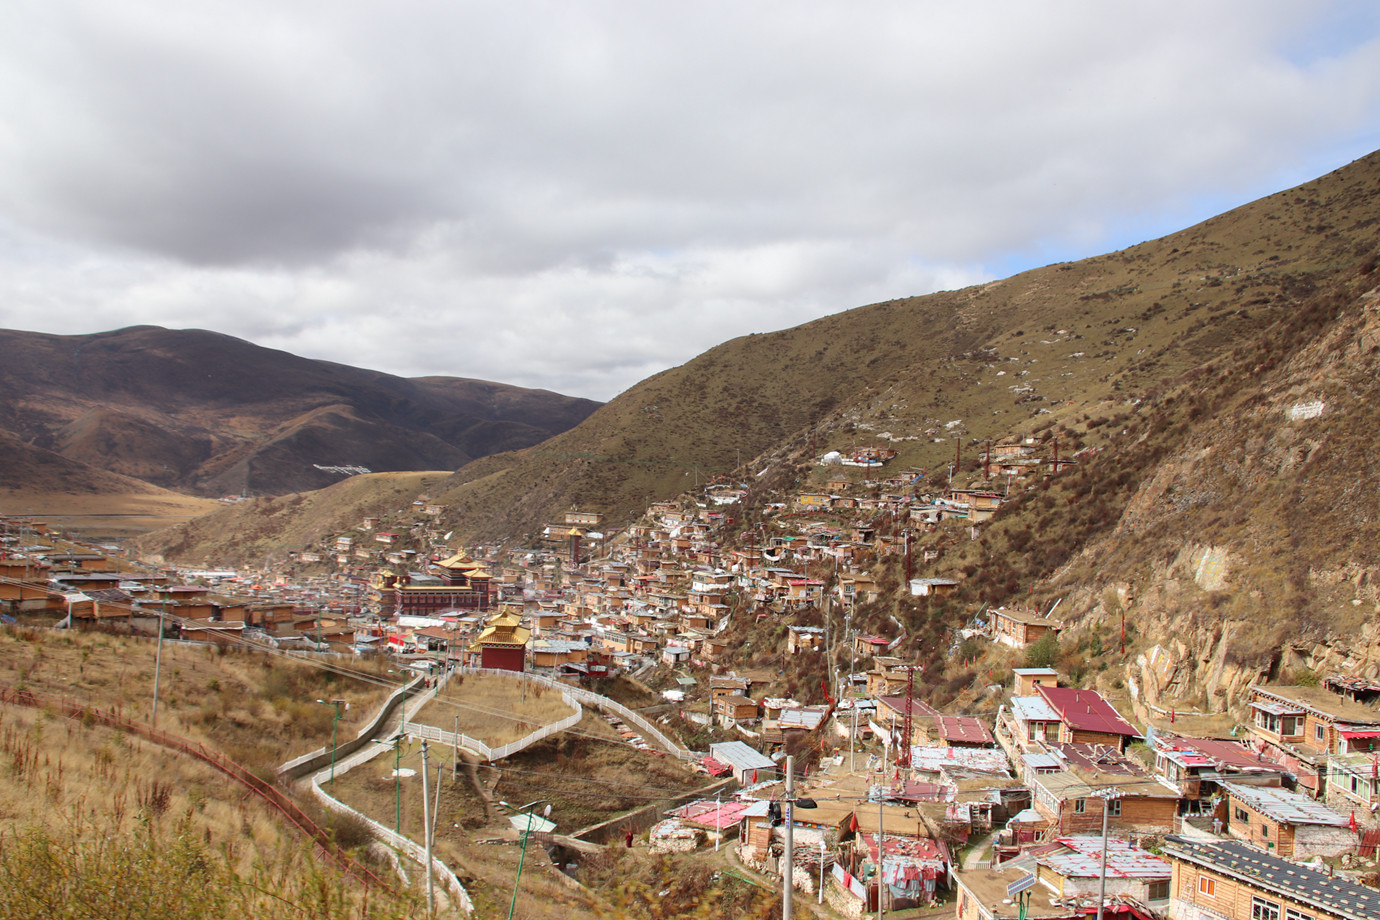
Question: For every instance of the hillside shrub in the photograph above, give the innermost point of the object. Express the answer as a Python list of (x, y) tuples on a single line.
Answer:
[(1043, 652)]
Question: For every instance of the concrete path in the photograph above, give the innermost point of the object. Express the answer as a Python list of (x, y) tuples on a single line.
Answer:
[(979, 850)]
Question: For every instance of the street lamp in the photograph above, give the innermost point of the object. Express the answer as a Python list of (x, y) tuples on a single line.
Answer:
[(522, 857), (335, 704), (791, 801)]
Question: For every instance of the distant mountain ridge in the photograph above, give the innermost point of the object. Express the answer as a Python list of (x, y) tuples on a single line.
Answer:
[(211, 414)]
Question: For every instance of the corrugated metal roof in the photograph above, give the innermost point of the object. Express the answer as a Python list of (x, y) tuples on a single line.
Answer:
[(1336, 895), (1082, 858), (981, 760), (709, 813), (1285, 806), (1033, 709), (968, 729), (740, 756)]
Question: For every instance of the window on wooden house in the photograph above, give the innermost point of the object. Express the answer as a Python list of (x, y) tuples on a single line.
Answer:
[(1262, 909), (1207, 886)]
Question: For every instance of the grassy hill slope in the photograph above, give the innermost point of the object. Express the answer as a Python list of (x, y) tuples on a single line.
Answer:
[(1074, 339)]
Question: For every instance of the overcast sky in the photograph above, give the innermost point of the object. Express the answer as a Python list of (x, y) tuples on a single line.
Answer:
[(576, 195)]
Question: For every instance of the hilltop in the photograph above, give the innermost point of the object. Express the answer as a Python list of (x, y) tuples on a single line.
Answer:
[(207, 414), (1063, 341), (1052, 345)]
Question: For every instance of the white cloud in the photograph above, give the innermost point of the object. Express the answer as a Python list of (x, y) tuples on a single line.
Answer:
[(575, 196)]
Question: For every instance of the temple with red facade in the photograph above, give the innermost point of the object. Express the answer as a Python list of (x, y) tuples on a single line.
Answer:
[(503, 643), (457, 583)]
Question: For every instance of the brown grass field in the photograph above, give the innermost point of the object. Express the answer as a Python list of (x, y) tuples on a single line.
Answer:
[(86, 784), (116, 805), (256, 708), (106, 517), (494, 710)]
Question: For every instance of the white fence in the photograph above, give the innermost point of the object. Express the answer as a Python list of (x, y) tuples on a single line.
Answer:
[(431, 733), (598, 702), (299, 766), (414, 851)]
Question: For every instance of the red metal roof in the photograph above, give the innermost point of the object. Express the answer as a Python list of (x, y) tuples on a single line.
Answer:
[(967, 729), (1086, 711), (915, 847), (708, 813)]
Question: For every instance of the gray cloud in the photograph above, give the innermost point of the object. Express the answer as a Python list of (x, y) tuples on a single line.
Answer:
[(575, 196)]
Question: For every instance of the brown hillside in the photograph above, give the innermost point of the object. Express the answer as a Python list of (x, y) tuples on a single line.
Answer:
[(248, 533), (74, 496), (1070, 339), (1220, 385), (210, 414), (1068, 348)]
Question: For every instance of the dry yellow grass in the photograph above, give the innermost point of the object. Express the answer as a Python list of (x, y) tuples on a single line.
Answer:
[(82, 776), (62, 771), (74, 786), (494, 710), (256, 708), (107, 516)]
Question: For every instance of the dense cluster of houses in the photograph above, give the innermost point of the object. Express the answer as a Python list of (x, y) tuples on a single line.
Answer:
[(1257, 827), (45, 575), (662, 591), (1061, 794)]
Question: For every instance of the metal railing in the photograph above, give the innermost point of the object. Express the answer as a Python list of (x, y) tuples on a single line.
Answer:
[(431, 733), (300, 766)]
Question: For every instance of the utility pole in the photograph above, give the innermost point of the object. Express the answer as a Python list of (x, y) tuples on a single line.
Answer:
[(397, 784), (522, 856), (881, 855), (788, 858), (336, 704), (1106, 796), (157, 662), (426, 832), (853, 740)]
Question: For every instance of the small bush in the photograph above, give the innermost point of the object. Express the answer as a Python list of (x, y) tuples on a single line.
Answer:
[(1043, 652)]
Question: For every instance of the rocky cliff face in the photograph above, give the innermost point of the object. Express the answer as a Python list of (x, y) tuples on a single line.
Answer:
[(1252, 551)]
